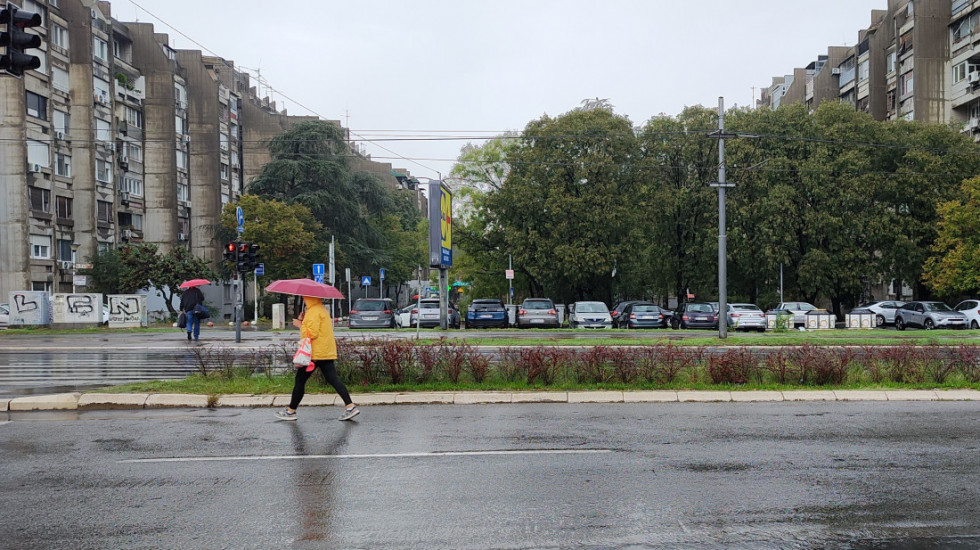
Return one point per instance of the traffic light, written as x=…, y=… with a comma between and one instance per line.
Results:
x=241, y=257
x=230, y=250
x=253, y=256
x=16, y=40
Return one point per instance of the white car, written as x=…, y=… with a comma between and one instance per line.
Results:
x=746, y=317
x=589, y=315
x=403, y=317
x=799, y=311
x=884, y=311
x=970, y=308
x=4, y=315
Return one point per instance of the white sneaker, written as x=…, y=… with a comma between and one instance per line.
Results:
x=350, y=413
x=286, y=415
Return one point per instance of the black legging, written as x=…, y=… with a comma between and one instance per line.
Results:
x=329, y=372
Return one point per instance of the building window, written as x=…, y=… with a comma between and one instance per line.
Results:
x=137, y=222
x=134, y=117
x=907, y=84
x=64, y=207
x=41, y=247
x=101, y=90
x=105, y=211
x=890, y=62
x=863, y=70
x=62, y=166
x=59, y=36
x=223, y=142
x=37, y=106
x=65, y=252
x=182, y=192
x=179, y=125
x=965, y=27
x=60, y=80
x=62, y=121
x=40, y=199
x=224, y=171
x=103, y=171
x=959, y=72
x=103, y=132
x=132, y=186
x=135, y=152
x=38, y=153
x=100, y=49
x=182, y=160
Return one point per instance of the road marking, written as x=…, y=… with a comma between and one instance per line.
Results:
x=379, y=455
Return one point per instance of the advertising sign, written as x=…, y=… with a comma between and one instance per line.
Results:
x=440, y=225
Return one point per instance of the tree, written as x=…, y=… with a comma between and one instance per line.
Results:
x=310, y=166
x=954, y=267
x=563, y=208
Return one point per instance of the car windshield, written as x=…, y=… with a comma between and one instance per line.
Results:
x=537, y=305
x=646, y=309
x=364, y=305
x=591, y=307
x=937, y=306
x=487, y=306
x=701, y=308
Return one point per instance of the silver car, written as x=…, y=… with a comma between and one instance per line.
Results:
x=746, y=317
x=929, y=315
x=589, y=315
x=799, y=311
x=884, y=311
x=372, y=313
x=4, y=315
x=538, y=312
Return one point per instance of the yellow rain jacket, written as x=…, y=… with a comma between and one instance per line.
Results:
x=318, y=327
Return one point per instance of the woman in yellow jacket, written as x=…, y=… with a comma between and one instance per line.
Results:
x=315, y=323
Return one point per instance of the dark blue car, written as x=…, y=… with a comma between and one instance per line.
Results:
x=486, y=313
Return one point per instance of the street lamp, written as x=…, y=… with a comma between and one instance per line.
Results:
x=74, y=263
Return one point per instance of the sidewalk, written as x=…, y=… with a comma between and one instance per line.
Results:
x=105, y=401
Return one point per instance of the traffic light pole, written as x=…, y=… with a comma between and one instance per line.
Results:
x=239, y=289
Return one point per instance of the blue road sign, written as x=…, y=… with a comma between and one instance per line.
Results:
x=260, y=270
x=366, y=280
x=382, y=274
x=318, y=272
x=240, y=216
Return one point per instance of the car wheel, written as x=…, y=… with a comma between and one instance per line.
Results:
x=929, y=325
x=974, y=325
x=880, y=320
x=899, y=323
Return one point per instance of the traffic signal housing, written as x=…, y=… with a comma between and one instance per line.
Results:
x=252, y=259
x=230, y=252
x=241, y=257
x=15, y=40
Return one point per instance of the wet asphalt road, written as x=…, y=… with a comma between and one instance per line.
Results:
x=677, y=475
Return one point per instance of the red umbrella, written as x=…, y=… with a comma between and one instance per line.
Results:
x=304, y=287
x=194, y=282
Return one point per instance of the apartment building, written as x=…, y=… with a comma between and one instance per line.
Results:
x=897, y=69
x=119, y=138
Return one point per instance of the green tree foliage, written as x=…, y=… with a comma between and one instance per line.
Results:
x=138, y=267
x=954, y=268
x=310, y=166
x=843, y=202
x=562, y=211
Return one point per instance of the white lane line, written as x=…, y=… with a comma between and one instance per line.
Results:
x=380, y=455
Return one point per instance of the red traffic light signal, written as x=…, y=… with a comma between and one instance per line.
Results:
x=14, y=60
x=229, y=253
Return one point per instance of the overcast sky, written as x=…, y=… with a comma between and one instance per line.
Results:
x=470, y=69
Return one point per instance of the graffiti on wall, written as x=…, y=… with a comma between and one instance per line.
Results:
x=127, y=310
x=28, y=308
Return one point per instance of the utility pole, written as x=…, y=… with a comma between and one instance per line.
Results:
x=721, y=184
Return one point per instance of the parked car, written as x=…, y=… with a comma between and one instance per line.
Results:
x=970, y=308
x=746, y=317
x=884, y=311
x=4, y=315
x=617, y=310
x=372, y=313
x=643, y=315
x=929, y=315
x=429, y=316
x=403, y=317
x=589, y=315
x=799, y=311
x=486, y=313
x=538, y=312
x=695, y=315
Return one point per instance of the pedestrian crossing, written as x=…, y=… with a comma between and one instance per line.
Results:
x=24, y=372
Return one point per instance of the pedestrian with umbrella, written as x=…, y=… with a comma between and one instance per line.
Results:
x=314, y=323
x=191, y=300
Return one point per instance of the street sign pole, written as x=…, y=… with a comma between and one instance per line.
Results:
x=255, y=296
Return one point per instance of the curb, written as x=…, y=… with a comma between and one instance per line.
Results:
x=108, y=401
